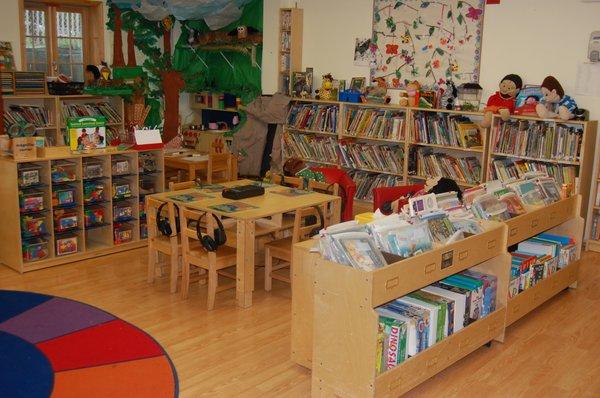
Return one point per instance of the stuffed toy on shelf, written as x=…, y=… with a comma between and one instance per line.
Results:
x=326, y=91
x=378, y=92
x=556, y=103
x=502, y=101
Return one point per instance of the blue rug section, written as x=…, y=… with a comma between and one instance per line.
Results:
x=24, y=370
x=13, y=303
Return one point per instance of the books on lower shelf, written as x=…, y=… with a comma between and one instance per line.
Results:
x=375, y=123
x=91, y=109
x=462, y=169
x=317, y=117
x=310, y=147
x=537, y=139
x=384, y=158
x=366, y=182
x=415, y=322
x=446, y=129
x=39, y=116
x=538, y=258
x=505, y=169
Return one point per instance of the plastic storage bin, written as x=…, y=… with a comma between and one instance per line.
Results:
x=63, y=171
x=64, y=221
x=147, y=186
x=123, y=233
x=93, y=169
x=93, y=217
x=32, y=226
x=63, y=197
x=121, y=190
x=122, y=212
x=146, y=163
x=93, y=192
x=120, y=166
x=28, y=175
x=31, y=201
x=66, y=245
x=35, y=249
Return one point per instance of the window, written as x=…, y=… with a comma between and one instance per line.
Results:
x=56, y=39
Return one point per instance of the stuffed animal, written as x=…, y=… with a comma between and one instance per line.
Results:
x=413, y=90
x=502, y=101
x=555, y=103
x=378, y=92
x=449, y=96
x=325, y=92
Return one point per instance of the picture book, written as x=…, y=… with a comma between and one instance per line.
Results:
x=465, y=293
x=529, y=193
x=513, y=284
x=292, y=192
x=490, y=283
x=409, y=240
x=436, y=329
x=550, y=189
x=394, y=342
x=361, y=250
x=421, y=320
x=87, y=132
x=441, y=228
x=413, y=334
x=190, y=197
x=447, y=308
x=513, y=203
x=476, y=294
x=232, y=207
x=469, y=135
x=442, y=311
x=488, y=207
x=212, y=187
x=456, y=306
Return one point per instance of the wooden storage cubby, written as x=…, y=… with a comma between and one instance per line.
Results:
x=561, y=218
x=334, y=324
x=93, y=241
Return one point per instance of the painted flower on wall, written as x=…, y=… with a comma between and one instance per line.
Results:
x=436, y=63
x=474, y=13
x=391, y=49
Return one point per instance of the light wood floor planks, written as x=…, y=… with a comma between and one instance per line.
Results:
x=232, y=352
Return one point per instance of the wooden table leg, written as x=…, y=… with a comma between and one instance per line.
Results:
x=245, y=263
x=336, y=211
x=192, y=173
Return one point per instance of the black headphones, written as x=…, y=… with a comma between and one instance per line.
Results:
x=315, y=231
x=163, y=225
x=207, y=241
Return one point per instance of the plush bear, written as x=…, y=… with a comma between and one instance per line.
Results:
x=555, y=103
x=503, y=100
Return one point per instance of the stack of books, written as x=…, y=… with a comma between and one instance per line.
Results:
x=7, y=80
x=447, y=130
x=91, y=109
x=375, y=123
x=383, y=158
x=30, y=82
x=506, y=169
x=366, y=182
x=536, y=139
x=310, y=147
x=462, y=169
x=36, y=115
x=313, y=117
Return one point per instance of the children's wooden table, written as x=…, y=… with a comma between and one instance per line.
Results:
x=270, y=206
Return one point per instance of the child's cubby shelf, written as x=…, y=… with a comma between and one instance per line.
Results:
x=439, y=142
x=333, y=308
x=70, y=207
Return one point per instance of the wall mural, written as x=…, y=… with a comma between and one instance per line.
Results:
x=428, y=41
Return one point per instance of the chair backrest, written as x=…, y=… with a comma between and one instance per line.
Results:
x=383, y=195
x=189, y=219
x=152, y=206
x=324, y=187
x=294, y=182
x=219, y=163
x=306, y=221
x=178, y=186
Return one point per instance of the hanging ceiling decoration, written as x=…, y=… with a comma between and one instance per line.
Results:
x=216, y=13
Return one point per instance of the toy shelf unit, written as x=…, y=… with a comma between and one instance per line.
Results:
x=345, y=315
x=560, y=218
x=447, y=144
x=70, y=207
x=39, y=111
x=562, y=149
x=151, y=180
x=290, y=47
x=111, y=107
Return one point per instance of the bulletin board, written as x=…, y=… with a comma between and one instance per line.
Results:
x=428, y=41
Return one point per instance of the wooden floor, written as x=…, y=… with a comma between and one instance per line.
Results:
x=231, y=352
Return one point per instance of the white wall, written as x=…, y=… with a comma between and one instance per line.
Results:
x=9, y=27
x=532, y=38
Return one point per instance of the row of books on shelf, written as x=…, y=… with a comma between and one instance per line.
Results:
x=374, y=157
x=375, y=123
x=36, y=115
x=506, y=169
x=430, y=163
x=310, y=147
x=313, y=117
x=92, y=109
x=6, y=80
x=417, y=321
x=427, y=221
x=595, y=231
x=366, y=182
x=538, y=258
x=538, y=139
x=446, y=129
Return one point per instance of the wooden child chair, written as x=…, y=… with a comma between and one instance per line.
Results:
x=178, y=186
x=326, y=188
x=307, y=222
x=162, y=220
x=202, y=247
x=221, y=167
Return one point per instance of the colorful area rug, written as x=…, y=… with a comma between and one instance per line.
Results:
x=56, y=347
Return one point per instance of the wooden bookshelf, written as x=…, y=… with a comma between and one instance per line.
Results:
x=333, y=309
x=92, y=241
x=561, y=218
x=289, y=56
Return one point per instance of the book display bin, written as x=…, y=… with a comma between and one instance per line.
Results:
x=63, y=205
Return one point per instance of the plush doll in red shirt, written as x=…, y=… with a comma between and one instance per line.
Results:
x=503, y=101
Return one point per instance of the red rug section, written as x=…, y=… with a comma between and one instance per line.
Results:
x=114, y=341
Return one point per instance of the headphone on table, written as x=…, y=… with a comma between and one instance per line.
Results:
x=163, y=224
x=208, y=242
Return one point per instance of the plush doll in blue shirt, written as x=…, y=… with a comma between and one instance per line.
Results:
x=555, y=103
